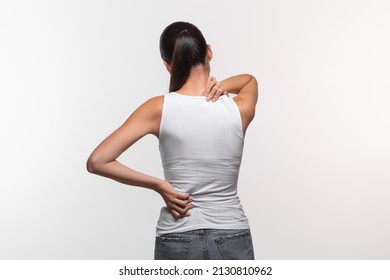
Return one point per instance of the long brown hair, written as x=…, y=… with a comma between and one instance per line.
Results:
x=183, y=46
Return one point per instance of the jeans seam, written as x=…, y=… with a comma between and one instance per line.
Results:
x=232, y=236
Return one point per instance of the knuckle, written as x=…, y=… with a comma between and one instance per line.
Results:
x=176, y=215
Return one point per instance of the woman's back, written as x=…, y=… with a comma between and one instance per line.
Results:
x=201, y=146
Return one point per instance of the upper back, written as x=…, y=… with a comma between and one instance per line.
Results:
x=190, y=125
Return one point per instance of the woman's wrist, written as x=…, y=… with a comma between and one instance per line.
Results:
x=236, y=83
x=158, y=185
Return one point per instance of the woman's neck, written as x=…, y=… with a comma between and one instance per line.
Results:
x=196, y=82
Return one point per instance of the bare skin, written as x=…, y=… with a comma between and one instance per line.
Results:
x=146, y=120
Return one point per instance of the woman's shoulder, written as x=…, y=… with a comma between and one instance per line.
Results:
x=152, y=106
x=149, y=114
x=155, y=101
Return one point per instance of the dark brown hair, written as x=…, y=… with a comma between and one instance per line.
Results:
x=183, y=46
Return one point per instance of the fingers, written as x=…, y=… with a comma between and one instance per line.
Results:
x=213, y=90
x=210, y=84
x=182, y=203
x=217, y=93
x=182, y=196
x=181, y=207
x=179, y=212
x=177, y=203
x=177, y=215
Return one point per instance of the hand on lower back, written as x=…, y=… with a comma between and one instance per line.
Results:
x=177, y=203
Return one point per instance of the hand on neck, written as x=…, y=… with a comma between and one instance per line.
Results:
x=196, y=82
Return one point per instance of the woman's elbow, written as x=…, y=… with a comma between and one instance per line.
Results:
x=92, y=165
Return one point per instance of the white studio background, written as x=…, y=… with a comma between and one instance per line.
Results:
x=315, y=177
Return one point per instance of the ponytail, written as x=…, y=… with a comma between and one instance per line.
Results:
x=182, y=60
x=183, y=46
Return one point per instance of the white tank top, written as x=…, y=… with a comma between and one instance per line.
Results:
x=201, y=146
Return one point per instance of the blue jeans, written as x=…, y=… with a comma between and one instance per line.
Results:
x=205, y=244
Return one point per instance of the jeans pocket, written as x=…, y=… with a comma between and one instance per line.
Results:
x=237, y=246
x=172, y=248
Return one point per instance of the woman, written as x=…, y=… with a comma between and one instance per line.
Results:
x=201, y=135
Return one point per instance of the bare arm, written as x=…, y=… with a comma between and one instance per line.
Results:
x=246, y=87
x=145, y=120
